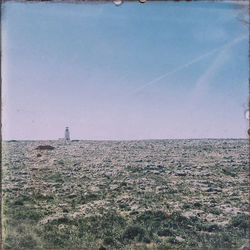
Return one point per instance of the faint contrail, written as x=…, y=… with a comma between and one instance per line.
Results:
x=197, y=59
x=202, y=81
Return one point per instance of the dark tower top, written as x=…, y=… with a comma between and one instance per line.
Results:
x=67, y=137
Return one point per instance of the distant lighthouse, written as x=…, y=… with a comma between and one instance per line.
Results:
x=67, y=137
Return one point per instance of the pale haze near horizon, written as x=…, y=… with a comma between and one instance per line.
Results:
x=158, y=70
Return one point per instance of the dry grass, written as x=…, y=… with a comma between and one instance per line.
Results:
x=138, y=194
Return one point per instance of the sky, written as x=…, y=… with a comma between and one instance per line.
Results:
x=158, y=70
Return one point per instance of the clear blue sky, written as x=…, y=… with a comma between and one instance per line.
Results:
x=138, y=71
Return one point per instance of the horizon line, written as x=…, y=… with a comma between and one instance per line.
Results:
x=151, y=139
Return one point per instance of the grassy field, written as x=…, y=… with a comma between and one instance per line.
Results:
x=136, y=194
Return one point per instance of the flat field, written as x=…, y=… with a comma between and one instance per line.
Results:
x=125, y=194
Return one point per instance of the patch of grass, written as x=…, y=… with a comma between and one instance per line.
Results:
x=197, y=205
x=58, y=186
x=56, y=177
x=228, y=172
x=240, y=221
x=40, y=196
x=88, y=198
x=123, y=184
x=214, y=211
x=21, y=213
x=134, y=231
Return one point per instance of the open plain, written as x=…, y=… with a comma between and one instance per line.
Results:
x=125, y=194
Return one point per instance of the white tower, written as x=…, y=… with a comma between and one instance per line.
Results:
x=67, y=137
